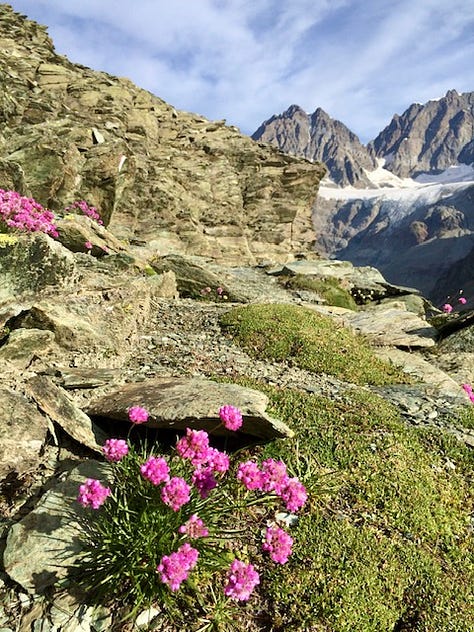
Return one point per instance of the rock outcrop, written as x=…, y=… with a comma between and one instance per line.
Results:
x=173, y=180
x=318, y=137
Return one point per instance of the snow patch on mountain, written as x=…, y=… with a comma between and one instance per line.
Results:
x=398, y=197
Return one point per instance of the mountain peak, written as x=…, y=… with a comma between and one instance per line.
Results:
x=319, y=137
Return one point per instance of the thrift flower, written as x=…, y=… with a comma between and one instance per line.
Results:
x=231, y=417
x=241, y=580
x=294, y=494
x=115, y=449
x=218, y=461
x=447, y=308
x=462, y=300
x=174, y=568
x=278, y=543
x=194, y=446
x=469, y=391
x=194, y=528
x=88, y=245
x=175, y=493
x=220, y=291
x=274, y=476
x=155, y=470
x=249, y=474
x=138, y=415
x=204, y=481
x=92, y=493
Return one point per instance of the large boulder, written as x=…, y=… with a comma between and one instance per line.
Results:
x=178, y=403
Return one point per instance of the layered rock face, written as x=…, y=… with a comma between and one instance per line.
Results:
x=429, y=137
x=173, y=179
x=319, y=137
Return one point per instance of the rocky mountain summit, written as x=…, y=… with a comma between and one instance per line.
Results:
x=430, y=137
x=68, y=132
x=318, y=137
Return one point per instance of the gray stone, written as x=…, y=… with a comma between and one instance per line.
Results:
x=57, y=404
x=41, y=548
x=392, y=325
x=22, y=433
x=177, y=403
x=26, y=344
x=32, y=263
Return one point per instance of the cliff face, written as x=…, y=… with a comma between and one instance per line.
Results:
x=172, y=179
x=319, y=137
x=429, y=137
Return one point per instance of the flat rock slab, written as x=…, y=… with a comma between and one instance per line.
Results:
x=42, y=547
x=414, y=365
x=179, y=403
x=392, y=327
x=56, y=403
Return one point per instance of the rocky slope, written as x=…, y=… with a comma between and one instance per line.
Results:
x=167, y=178
x=84, y=337
x=318, y=137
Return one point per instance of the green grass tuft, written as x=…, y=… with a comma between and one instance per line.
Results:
x=309, y=340
x=329, y=289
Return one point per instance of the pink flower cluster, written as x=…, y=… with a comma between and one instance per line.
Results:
x=273, y=478
x=155, y=470
x=176, y=493
x=241, y=580
x=25, y=214
x=194, y=528
x=115, y=449
x=470, y=393
x=231, y=417
x=82, y=206
x=92, y=493
x=138, y=415
x=447, y=308
x=278, y=543
x=174, y=568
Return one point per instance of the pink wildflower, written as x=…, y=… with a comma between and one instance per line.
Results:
x=22, y=213
x=175, y=493
x=231, y=417
x=462, y=300
x=469, y=391
x=241, y=580
x=138, y=415
x=249, y=474
x=218, y=461
x=447, y=308
x=220, y=291
x=92, y=493
x=155, y=470
x=278, y=543
x=194, y=446
x=88, y=245
x=274, y=476
x=204, y=481
x=115, y=449
x=294, y=494
x=175, y=568
x=194, y=528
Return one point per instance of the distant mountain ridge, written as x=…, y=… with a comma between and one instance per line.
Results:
x=418, y=230
x=426, y=138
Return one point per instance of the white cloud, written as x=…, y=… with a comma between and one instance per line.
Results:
x=244, y=60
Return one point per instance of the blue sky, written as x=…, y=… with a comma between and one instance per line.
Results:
x=244, y=60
